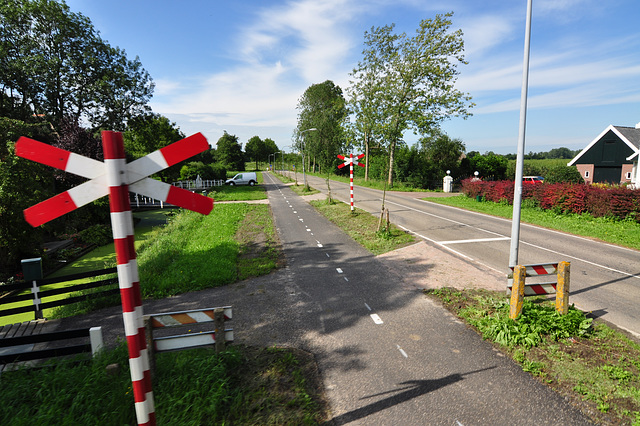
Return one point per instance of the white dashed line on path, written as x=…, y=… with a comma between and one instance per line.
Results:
x=404, y=354
x=376, y=319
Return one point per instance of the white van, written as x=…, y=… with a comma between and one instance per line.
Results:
x=247, y=178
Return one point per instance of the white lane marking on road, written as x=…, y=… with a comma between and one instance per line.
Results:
x=339, y=270
x=435, y=242
x=346, y=279
x=376, y=318
x=447, y=219
x=368, y=307
x=477, y=240
x=327, y=254
x=452, y=250
x=529, y=226
x=588, y=262
x=404, y=354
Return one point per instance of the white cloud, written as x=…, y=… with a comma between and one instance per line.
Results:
x=288, y=48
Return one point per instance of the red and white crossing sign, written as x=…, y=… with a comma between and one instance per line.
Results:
x=349, y=162
x=115, y=177
x=137, y=172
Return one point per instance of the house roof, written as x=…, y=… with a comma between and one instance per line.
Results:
x=629, y=135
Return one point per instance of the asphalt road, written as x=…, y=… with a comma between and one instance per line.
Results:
x=605, y=279
x=387, y=353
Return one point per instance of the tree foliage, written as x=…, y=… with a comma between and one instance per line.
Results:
x=322, y=107
x=256, y=150
x=407, y=82
x=229, y=153
x=53, y=63
x=23, y=183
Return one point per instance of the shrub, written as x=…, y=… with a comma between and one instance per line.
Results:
x=98, y=235
x=569, y=198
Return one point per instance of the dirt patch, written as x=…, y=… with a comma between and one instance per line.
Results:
x=260, y=247
x=425, y=266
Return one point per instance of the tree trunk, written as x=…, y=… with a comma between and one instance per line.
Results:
x=392, y=149
x=366, y=157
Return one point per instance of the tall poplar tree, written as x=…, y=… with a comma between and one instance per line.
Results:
x=405, y=82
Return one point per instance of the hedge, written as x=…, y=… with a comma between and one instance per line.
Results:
x=597, y=200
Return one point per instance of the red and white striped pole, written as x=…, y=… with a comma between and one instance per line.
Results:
x=351, y=179
x=123, y=237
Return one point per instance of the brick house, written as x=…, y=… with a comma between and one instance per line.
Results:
x=612, y=157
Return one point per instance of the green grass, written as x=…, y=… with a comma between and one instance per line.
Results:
x=239, y=192
x=622, y=232
x=371, y=183
x=192, y=252
x=242, y=386
x=595, y=367
x=362, y=227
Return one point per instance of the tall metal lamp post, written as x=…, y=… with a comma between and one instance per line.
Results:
x=304, y=174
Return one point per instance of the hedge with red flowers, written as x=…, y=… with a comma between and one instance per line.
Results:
x=597, y=200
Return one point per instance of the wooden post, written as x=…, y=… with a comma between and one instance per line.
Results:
x=218, y=318
x=517, y=291
x=562, y=290
x=388, y=221
x=148, y=326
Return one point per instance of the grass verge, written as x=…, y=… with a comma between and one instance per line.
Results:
x=592, y=365
x=193, y=252
x=242, y=386
x=621, y=232
x=362, y=227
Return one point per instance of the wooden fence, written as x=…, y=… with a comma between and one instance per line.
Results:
x=34, y=292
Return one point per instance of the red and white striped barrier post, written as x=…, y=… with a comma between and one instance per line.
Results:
x=115, y=177
x=122, y=225
x=349, y=162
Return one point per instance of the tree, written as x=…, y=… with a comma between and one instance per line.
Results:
x=367, y=115
x=255, y=149
x=442, y=152
x=322, y=106
x=408, y=82
x=23, y=183
x=269, y=147
x=490, y=165
x=229, y=153
x=54, y=64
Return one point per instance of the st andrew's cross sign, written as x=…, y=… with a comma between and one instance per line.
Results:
x=115, y=178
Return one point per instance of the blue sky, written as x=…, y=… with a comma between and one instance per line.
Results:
x=241, y=66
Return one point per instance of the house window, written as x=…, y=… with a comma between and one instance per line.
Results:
x=586, y=174
x=628, y=176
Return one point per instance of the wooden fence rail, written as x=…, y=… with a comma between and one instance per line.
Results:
x=33, y=291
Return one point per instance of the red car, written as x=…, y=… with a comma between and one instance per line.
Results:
x=532, y=179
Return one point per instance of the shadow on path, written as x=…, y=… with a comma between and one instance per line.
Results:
x=412, y=389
